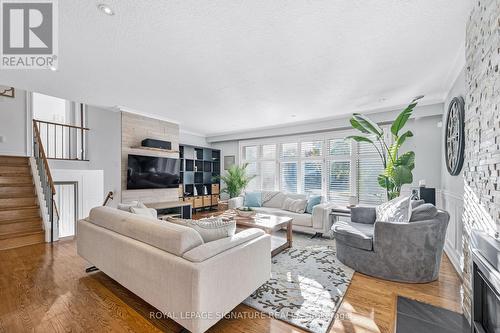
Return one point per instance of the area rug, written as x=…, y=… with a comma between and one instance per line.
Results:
x=307, y=285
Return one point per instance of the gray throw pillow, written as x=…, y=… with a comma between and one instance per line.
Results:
x=397, y=210
x=416, y=203
x=423, y=212
x=294, y=205
x=210, y=229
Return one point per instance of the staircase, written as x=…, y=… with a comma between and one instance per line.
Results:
x=20, y=221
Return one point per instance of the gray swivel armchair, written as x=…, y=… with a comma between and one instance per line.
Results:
x=403, y=252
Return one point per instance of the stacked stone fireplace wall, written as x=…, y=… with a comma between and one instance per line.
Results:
x=482, y=129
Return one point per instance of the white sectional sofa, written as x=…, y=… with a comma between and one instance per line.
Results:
x=318, y=223
x=169, y=266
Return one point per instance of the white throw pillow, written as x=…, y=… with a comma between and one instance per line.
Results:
x=144, y=211
x=397, y=210
x=127, y=206
x=210, y=229
x=295, y=205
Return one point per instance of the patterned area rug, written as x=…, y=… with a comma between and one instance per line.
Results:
x=307, y=285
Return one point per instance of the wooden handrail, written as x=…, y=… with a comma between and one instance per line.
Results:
x=59, y=124
x=43, y=156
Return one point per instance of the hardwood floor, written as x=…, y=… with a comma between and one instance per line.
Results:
x=44, y=288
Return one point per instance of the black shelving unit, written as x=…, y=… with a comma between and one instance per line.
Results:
x=199, y=168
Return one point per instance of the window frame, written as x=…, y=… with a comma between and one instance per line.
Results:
x=325, y=158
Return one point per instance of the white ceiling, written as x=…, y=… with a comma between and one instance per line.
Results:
x=227, y=65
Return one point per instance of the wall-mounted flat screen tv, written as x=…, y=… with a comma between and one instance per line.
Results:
x=147, y=172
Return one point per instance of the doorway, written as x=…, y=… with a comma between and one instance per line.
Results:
x=67, y=203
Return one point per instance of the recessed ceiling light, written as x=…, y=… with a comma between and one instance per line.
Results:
x=106, y=9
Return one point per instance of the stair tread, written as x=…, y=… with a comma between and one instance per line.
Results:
x=20, y=233
x=18, y=208
x=18, y=196
x=17, y=185
x=25, y=220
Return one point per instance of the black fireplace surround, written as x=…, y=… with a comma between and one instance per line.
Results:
x=485, y=283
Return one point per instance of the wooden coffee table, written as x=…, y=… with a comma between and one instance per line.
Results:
x=270, y=224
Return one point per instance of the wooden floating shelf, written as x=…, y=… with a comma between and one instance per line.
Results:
x=156, y=149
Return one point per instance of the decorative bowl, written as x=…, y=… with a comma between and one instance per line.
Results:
x=245, y=212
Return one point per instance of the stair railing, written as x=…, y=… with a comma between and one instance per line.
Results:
x=63, y=141
x=47, y=183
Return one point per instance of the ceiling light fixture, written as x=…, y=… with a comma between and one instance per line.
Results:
x=106, y=9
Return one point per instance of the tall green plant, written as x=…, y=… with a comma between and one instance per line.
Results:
x=397, y=168
x=235, y=180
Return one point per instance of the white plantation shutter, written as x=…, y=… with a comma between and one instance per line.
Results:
x=289, y=150
x=268, y=152
x=268, y=175
x=312, y=174
x=288, y=171
x=250, y=153
x=311, y=149
x=339, y=171
x=339, y=181
x=254, y=184
x=320, y=164
x=369, y=167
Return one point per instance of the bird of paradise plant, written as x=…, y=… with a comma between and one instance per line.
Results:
x=397, y=168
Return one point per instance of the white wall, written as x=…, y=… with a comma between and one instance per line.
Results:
x=191, y=139
x=103, y=148
x=427, y=144
x=227, y=148
x=324, y=125
x=452, y=189
x=13, y=124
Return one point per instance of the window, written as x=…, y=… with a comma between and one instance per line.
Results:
x=312, y=149
x=269, y=152
x=289, y=150
x=339, y=170
x=288, y=171
x=261, y=164
x=369, y=167
x=324, y=164
x=250, y=153
x=312, y=175
x=268, y=175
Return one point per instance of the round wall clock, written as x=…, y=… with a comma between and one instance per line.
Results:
x=455, y=136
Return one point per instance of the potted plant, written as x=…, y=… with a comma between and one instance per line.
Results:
x=397, y=168
x=236, y=180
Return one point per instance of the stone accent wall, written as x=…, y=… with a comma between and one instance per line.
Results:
x=136, y=128
x=482, y=129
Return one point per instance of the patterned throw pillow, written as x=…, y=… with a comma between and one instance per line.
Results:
x=144, y=211
x=397, y=210
x=295, y=205
x=210, y=229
